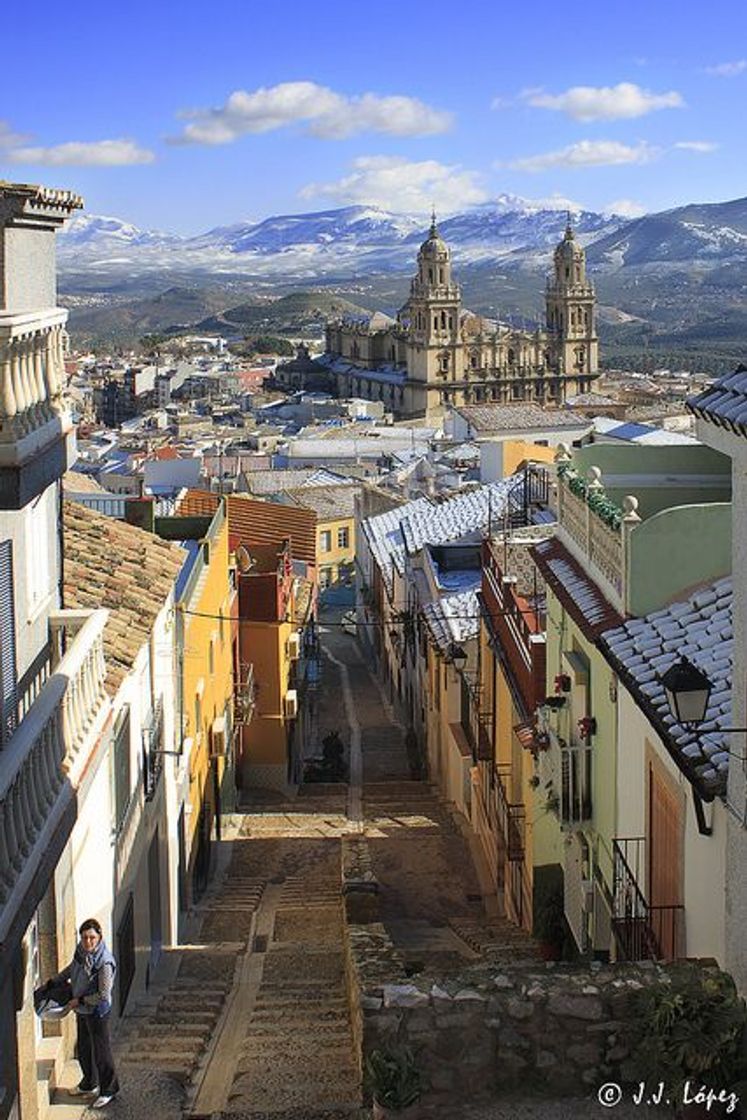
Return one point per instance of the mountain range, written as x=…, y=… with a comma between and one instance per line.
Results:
x=664, y=279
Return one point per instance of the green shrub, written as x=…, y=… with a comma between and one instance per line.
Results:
x=392, y=1077
x=692, y=1028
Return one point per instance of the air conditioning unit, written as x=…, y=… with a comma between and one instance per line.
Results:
x=294, y=647
x=218, y=741
x=290, y=704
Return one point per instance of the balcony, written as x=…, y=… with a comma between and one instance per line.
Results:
x=153, y=752
x=245, y=694
x=641, y=931
x=516, y=629
x=44, y=762
x=511, y=821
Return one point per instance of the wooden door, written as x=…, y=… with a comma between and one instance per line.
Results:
x=665, y=854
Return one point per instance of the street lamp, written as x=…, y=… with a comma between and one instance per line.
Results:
x=688, y=691
x=458, y=657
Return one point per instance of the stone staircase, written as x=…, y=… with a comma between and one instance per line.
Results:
x=297, y=1061
x=498, y=940
x=169, y=1030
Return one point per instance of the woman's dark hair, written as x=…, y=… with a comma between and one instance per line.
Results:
x=91, y=923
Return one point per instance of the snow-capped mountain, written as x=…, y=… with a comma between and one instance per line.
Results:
x=350, y=240
x=354, y=226
x=365, y=240
x=99, y=232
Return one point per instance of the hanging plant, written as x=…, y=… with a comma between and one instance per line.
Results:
x=562, y=682
x=586, y=728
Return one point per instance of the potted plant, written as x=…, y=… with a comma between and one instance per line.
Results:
x=689, y=1035
x=549, y=922
x=562, y=682
x=393, y=1080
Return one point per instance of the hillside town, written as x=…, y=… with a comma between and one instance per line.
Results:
x=383, y=706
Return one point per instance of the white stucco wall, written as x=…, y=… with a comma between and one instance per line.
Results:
x=735, y=446
x=36, y=571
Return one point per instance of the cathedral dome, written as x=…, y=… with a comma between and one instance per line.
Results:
x=569, y=249
x=434, y=247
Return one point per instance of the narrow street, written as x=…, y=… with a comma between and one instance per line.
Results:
x=251, y=1019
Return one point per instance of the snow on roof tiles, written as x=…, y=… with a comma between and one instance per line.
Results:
x=453, y=618
x=724, y=402
x=415, y=524
x=699, y=629
x=578, y=593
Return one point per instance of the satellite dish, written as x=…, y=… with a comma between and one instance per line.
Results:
x=243, y=559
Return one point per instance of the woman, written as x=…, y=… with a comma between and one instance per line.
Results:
x=91, y=975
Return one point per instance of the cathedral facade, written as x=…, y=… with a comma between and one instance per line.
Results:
x=436, y=354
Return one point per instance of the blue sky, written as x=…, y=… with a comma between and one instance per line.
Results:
x=188, y=116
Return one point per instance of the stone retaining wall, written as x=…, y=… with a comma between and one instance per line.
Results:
x=558, y=1029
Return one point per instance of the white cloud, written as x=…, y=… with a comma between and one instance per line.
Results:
x=588, y=153
x=697, y=145
x=9, y=138
x=727, y=69
x=96, y=153
x=322, y=111
x=395, y=183
x=604, y=103
x=625, y=208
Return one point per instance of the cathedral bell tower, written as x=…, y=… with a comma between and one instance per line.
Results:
x=570, y=301
x=433, y=312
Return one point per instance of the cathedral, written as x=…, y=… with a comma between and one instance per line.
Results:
x=436, y=353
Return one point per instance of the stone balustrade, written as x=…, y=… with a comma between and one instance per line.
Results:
x=31, y=372
x=602, y=543
x=42, y=764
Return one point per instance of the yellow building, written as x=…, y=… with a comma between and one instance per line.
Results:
x=512, y=685
x=275, y=553
x=205, y=605
x=334, y=507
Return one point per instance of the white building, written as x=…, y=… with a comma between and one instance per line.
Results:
x=721, y=413
x=52, y=698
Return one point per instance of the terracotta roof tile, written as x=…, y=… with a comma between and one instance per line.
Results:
x=255, y=522
x=120, y=567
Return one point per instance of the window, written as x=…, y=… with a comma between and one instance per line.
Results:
x=121, y=767
x=325, y=540
x=198, y=713
x=343, y=537
x=325, y=578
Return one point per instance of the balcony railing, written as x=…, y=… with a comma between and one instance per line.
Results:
x=31, y=372
x=642, y=931
x=152, y=751
x=245, y=694
x=511, y=820
x=44, y=760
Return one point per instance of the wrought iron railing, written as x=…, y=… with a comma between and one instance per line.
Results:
x=642, y=931
x=153, y=751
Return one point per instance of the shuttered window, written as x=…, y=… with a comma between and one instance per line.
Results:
x=121, y=768
x=8, y=679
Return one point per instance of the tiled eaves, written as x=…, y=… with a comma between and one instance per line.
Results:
x=724, y=403
x=580, y=596
x=700, y=629
x=127, y=570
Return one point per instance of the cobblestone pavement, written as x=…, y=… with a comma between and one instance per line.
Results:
x=252, y=1023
